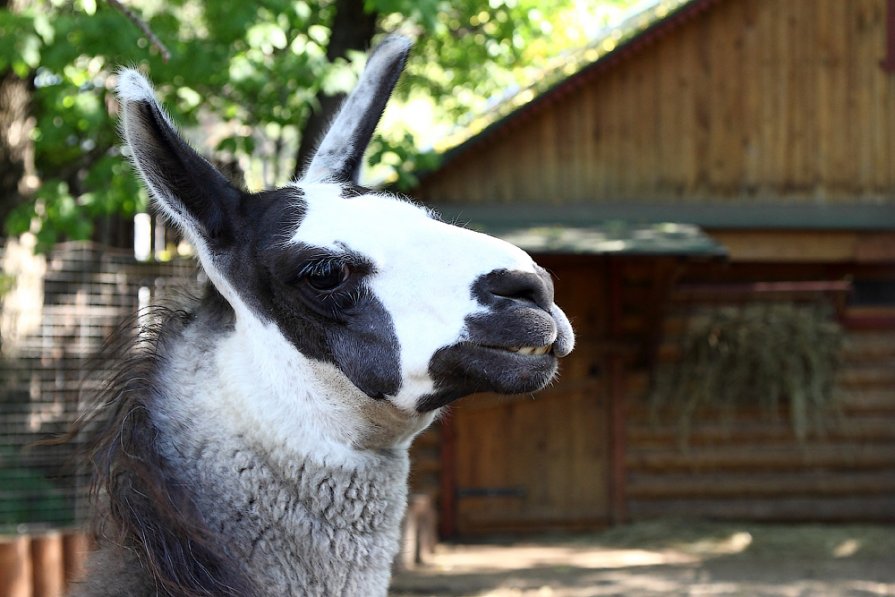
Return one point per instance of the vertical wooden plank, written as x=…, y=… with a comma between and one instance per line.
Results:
x=649, y=140
x=591, y=165
x=863, y=92
x=629, y=168
x=447, y=507
x=47, y=564
x=824, y=65
x=75, y=547
x=723, y=104
x=571, y=140
x=522, y=152
x=702, y=106
x=638, y=162
x=683, y=154
x=839, y=77
x=778, y=83
x=795, y=151
x=881, y=103
x=604, y=137
x=887, y=63
x=547, y=185
x=620, y=139
x=607, y=142
x=750, y=91
x=667, y=132
x=15, y=566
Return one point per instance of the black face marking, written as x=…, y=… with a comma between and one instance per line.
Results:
x=345, y=325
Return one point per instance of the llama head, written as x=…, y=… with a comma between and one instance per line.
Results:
x=374, y=296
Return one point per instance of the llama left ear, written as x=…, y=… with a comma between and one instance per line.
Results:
x=342, y=150
x=191, y=191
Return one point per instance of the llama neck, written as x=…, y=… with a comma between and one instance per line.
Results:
x=299, y=527
x=301, y=508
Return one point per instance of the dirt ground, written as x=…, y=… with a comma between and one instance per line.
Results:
x=666, y=558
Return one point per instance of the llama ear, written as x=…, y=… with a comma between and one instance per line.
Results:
x=189, y=189
x=342, y=149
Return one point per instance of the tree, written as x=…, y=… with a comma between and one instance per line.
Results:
x=255, y=81
x=16, y=149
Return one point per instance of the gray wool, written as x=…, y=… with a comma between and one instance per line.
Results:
x=291, y=523
x=298, y=527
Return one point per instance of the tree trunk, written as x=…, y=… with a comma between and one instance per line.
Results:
x=17, y=174
x=352, y=29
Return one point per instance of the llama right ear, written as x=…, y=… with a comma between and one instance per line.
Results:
x=190, y=190
x=342, y=150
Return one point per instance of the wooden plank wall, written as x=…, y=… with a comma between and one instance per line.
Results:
x=749, y=467
x=752, y=100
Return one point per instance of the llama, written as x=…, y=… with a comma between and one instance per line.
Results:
x=258, y=444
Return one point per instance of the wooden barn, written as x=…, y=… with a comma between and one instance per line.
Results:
x=731, y=156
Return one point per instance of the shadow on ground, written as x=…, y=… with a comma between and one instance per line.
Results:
x=666, y=558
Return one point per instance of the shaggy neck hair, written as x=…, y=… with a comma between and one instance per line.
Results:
x=143, y=506
x=202, y=512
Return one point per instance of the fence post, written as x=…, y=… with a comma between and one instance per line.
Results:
x=47, y=564
x=76, y=545
x=15, y=566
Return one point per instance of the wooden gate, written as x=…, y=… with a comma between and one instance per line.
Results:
x=540, y=462
x=532, y=463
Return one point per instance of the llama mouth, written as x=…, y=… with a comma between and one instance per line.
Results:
x=526, y=350
x=468, y=368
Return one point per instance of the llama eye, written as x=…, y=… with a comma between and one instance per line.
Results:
x=327, y=275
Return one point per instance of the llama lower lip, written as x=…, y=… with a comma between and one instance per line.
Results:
x=469, y=368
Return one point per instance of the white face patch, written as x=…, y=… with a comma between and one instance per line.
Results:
x=423, y=270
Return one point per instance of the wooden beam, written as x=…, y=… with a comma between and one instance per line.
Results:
x=616, y=370
x=888, y=61
x=801, y=246
x=447, y=506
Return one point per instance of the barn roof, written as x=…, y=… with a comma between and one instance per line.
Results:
x=635, y=38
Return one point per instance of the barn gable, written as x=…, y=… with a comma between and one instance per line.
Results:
x=722, y=104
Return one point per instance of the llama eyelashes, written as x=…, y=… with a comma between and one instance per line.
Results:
x=325, y=275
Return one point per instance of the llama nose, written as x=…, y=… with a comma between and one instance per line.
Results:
x=530, y=289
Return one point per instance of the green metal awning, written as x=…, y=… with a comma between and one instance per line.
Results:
x=585, y=236
x=614, y=237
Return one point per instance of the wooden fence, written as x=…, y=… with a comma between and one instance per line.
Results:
x=41, y=564
x=56, y=314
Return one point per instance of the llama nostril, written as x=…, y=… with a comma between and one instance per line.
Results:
x=522, y=287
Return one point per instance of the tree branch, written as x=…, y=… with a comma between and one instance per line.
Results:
x=142, y=26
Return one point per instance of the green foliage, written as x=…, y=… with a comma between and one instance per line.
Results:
x=7, y=283
x=254, y=69
x=770, y=356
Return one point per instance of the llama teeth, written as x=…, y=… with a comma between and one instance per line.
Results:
x=532, y=350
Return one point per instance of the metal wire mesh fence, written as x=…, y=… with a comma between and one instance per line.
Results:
x=56, y=313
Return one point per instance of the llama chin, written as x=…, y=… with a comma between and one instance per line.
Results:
x=259, y=444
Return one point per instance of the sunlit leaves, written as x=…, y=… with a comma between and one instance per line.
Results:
x=248, y=73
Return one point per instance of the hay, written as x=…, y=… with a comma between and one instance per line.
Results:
x=778, y=356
